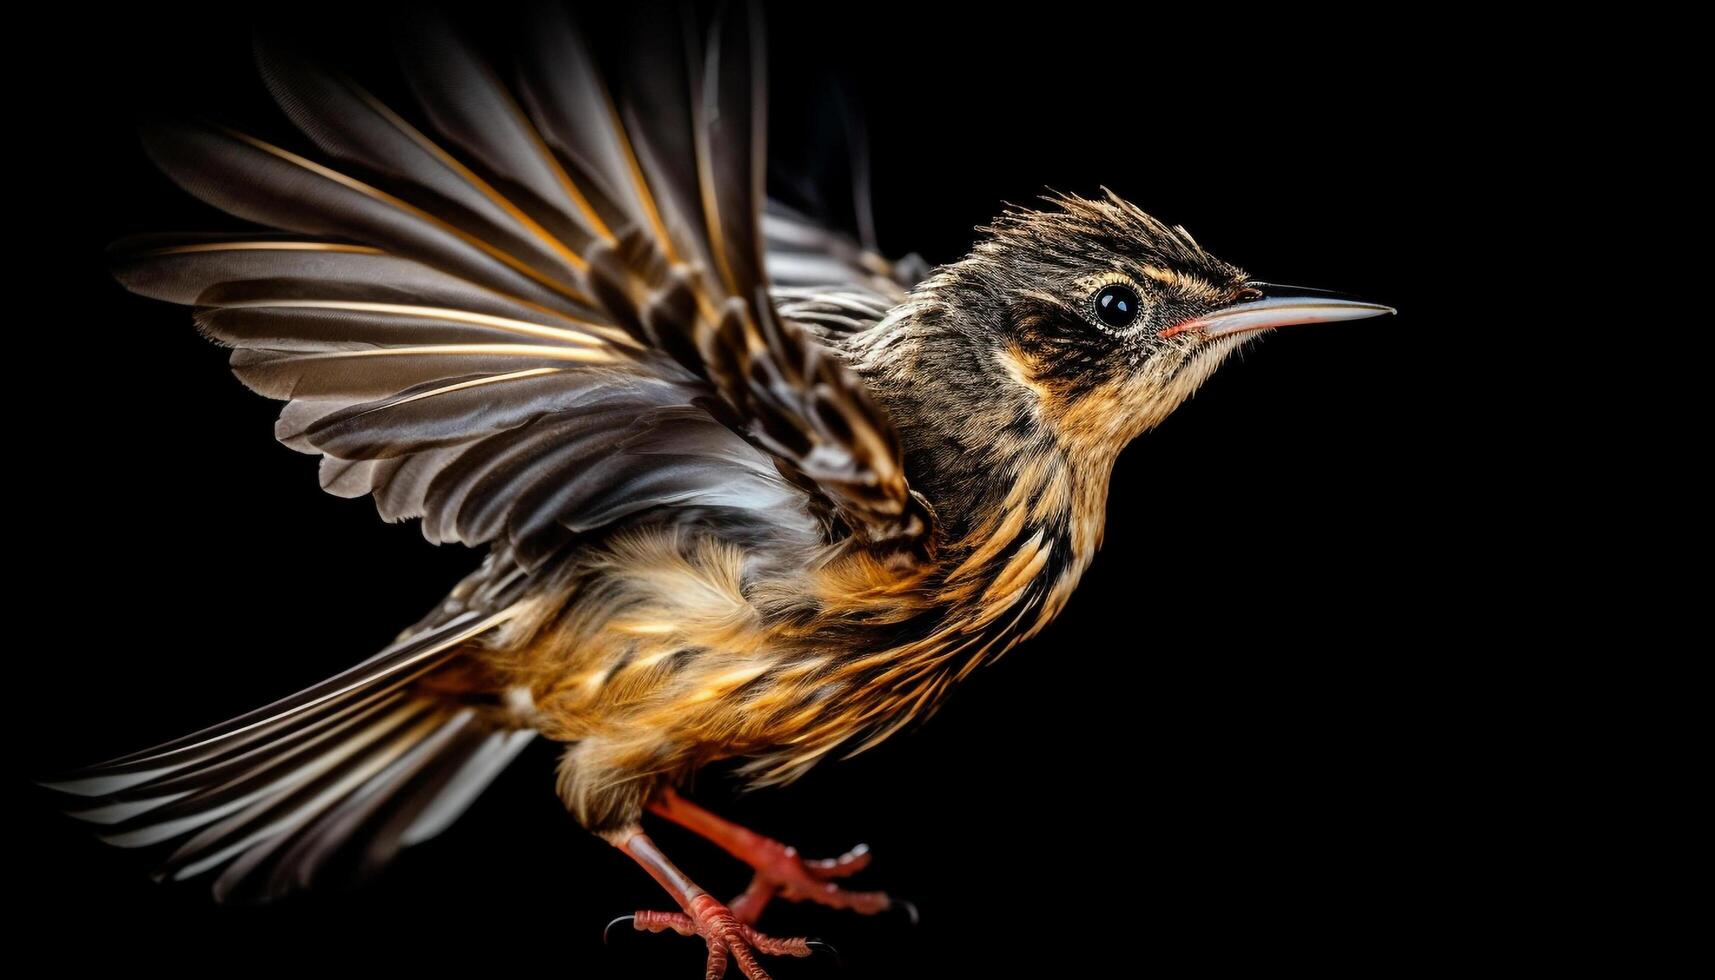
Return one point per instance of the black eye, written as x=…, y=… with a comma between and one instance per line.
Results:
x=1116, y=305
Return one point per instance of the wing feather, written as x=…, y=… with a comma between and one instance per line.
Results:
x=467, y=102
x=352, y=126
x=546, y=311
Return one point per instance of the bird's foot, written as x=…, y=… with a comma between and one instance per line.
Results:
x=726, y=936
x=781, y=872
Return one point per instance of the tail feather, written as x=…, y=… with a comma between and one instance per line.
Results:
x=369, y=826
x=227, y=778
x=445, y=800
x=392, y=667
x=260, y=779
x=325, y=780
x=328, y=783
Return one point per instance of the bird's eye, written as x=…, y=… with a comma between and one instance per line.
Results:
x=1116, y=305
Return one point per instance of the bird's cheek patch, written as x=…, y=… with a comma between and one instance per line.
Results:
x=1023, y=368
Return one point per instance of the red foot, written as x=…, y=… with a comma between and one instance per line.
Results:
x=779, y=869
x=781, y=872
x=725, y=935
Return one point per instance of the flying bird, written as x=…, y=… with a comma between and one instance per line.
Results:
x=747, y=490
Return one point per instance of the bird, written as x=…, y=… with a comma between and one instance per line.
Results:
x=745, y=490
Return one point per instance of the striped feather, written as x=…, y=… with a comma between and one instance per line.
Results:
x=439, y=294
x=328, y=783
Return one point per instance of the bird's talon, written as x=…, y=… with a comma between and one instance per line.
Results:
x=727, y=938
x=609, y=927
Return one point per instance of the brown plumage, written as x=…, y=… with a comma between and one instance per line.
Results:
x=749, y=491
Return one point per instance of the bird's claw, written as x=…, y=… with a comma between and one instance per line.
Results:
x=725, y=935
x=609, y=927
x=823, y=946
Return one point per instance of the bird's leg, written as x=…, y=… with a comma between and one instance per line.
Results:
x=779, y=869
x=701, y=914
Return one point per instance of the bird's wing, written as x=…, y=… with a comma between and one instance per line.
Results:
x=827, y=282
x=532, y=311
x=820, y=230
x=807, y=256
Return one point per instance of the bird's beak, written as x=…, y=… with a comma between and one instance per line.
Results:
x=1278, y=306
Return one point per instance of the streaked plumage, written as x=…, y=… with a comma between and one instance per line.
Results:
x=747, y=489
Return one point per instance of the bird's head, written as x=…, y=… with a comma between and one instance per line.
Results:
x=1092, y=320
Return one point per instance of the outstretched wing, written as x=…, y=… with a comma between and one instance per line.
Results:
x=807, y=255
x=827, y=282
x=528, y=312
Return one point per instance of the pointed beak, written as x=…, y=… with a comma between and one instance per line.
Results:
x=1273, y=306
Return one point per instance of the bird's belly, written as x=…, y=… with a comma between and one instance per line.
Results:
x=665, y=652
x=666, y=641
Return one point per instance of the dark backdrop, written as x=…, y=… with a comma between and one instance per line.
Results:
x=1256, y=738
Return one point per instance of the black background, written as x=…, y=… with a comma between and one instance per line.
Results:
x=1259, y=736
